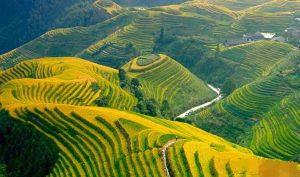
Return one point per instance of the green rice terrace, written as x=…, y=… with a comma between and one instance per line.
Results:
x=166, y=80
x=262, y=114
x=136, y=31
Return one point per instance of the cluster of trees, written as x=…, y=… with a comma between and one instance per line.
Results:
x=148, y=106
x=186, y=50
x=24, y=151
x=198, y=58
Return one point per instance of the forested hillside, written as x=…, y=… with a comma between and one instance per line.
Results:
x=22, y=21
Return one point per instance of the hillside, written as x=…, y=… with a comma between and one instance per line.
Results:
x=164, y=79
x=140, y=3
x=262, y=114
x=192, y=32
x=127, y=35
x=122, y=88
x=243, y=63
x=106, y=142
x=63, y=81
x=75, y=81
x=21, y=21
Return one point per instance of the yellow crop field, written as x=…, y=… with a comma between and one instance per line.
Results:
x=63, y=81
x=108, y=142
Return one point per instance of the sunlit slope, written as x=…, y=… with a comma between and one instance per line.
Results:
x=237, y=5
x=107, y=142
x=162, y=78
x=277, y=135
x=63, y=81
x=265, y=111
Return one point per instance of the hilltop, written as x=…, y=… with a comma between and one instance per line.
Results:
x=63, y=81
x=168, y=82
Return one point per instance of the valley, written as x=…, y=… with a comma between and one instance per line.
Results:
x=202, y=106
x=203, y=88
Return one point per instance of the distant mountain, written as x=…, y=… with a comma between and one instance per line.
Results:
x=22, y=21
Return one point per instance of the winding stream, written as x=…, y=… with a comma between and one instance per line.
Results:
x=204, y=105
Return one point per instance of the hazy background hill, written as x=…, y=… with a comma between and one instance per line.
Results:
x=22, y=21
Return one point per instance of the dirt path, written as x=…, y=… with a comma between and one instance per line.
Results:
x=164, y=156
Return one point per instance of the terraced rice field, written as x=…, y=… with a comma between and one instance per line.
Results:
x=63, y=81
x=268, y=109
x=110, y=38
x=268, y=22
x=277, y=134
x=106, y=142
x=165, y=79
x=254, y=59
x=141, y=32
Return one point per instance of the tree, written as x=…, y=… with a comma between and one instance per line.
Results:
x=165, y=109
x=229, y=86
x=151, y=106
x=122, y=74
x=141, y=107
x=135, y=82
x=138, y=94
x=129, y=46
x=162, y=34
x=217, y=54
x=102, y=101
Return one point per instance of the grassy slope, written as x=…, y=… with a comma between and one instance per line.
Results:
x=268, y=105
x=107, y=142
x=166, y=79
x=63, y=81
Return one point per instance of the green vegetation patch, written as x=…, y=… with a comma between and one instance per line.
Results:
x=24, y=151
